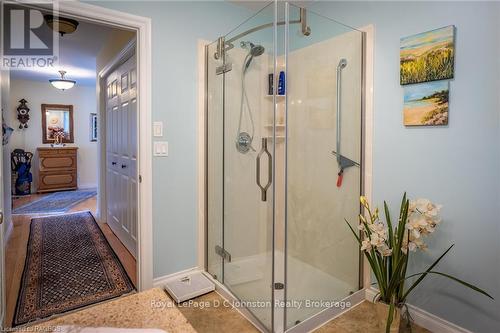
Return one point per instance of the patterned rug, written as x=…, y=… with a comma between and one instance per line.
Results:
x=69, y=264
x=59, y=202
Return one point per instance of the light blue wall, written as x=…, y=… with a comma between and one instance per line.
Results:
x=176, y=28
x=457, y=165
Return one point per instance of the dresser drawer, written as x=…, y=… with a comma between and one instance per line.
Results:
x=50, y=180
x=57, y=169
x=66, y=162
x=48, y=152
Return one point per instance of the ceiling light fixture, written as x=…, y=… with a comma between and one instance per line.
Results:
x=62, y=83
x=62, y=25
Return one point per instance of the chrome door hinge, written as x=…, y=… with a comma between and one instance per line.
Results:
x=221, y=48
x=223, y=253
x=224, y=68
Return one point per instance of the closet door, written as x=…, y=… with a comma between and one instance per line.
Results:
x=121, y=153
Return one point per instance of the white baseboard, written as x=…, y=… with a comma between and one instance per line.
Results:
x=423, y=318
x=160, y=281
x=370, y=294
x=87, y=187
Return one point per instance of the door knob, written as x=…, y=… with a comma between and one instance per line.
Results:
x=123, y=166
x=1, y=217
x=113, y=163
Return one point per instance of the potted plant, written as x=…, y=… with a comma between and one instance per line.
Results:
x=388, y=248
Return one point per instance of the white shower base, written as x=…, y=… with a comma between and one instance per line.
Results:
x=249, y=278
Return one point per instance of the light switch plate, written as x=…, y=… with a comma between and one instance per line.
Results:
x=157, y=128
x=160, y=148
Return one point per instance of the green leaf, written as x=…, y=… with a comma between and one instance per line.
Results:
x=354, y=233
x=381, y=269
x=423, y=275
x=394, y=257
x=396, y=279
x=390, y=318
x=401, y=285
x=401, y=226
x=373, y=264
x=403, y=203
x=469, y=285
x=389, y=224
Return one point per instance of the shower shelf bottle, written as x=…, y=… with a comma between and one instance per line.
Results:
x=281, y=83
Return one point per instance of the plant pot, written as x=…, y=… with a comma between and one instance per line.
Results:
x=382, y=310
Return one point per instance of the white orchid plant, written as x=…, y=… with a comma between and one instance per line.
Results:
x=388, y=248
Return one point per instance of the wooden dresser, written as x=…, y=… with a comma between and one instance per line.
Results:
x=57, y=169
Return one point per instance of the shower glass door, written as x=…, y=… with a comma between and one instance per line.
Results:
x=284, y=120
x=241, y=163
x=323, y=163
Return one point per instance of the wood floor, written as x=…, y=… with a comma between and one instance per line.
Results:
x=15, y=254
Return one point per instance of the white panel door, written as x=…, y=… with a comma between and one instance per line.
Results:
x=121, y=153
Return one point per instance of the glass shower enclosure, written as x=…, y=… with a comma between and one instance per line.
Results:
x=284, y=114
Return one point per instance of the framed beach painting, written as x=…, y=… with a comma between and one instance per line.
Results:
x=426, y=104
x=428, y=56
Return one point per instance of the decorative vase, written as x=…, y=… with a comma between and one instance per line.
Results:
x=382, y=310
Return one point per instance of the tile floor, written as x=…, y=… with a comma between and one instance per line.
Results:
x=204, y=320
x=227, y=320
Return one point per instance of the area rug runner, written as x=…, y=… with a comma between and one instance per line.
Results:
x=59, y=202
x=69, y=264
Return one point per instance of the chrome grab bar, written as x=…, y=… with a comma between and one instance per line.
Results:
x=342, y=64
x=263, y=150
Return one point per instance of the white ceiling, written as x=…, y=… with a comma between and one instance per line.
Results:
x=77, y=56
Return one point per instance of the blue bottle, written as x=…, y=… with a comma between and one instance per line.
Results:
x=281, y=83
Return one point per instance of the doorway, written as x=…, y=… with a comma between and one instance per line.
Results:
x=142, y=159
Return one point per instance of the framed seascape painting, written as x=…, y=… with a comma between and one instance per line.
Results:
x=426, y=104
x=428, y=56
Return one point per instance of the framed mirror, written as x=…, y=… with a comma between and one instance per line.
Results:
x=57, y=120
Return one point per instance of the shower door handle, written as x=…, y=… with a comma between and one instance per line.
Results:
x=263, y=150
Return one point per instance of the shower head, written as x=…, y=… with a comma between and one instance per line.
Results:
x=257, y=50
x=253, y=51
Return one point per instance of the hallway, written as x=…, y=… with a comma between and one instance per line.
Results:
x=15, y=254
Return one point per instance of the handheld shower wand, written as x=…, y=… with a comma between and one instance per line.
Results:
x=243, y=139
